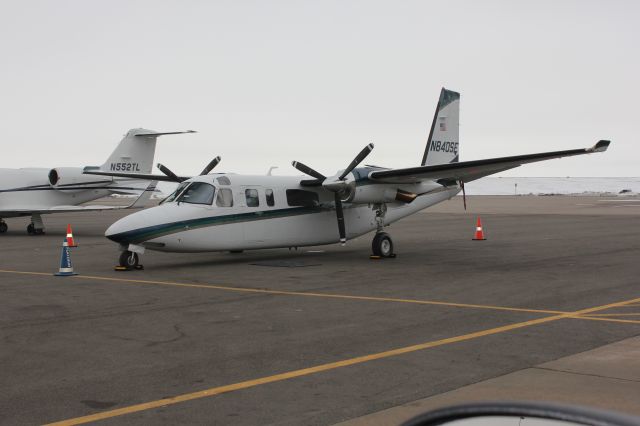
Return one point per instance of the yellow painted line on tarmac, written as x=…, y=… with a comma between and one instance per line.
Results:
x=297, y=293
x=627, y=314
x=335, y=296
x=607, y=319
x=327, y=367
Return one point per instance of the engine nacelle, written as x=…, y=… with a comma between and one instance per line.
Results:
x=71, y=179
x=388, y=193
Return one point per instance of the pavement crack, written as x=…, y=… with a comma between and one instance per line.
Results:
x=585, y=374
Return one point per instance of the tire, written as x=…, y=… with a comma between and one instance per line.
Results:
x=382, y=245
x=128, y=259
x=31, y=229
x=3, y=227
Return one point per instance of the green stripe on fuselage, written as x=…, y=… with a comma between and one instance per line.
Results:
x=141, y=235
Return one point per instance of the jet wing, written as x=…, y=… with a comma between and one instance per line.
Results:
x=142, y=176
x=472, y=170
x=139, y=202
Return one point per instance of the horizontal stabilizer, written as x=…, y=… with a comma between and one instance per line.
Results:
x=165, y=133
x=472, y=170
x=143, y=176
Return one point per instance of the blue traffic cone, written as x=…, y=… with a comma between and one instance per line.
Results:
x=66, y=268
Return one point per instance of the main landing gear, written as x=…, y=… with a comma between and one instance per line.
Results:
x=3, y=227
x=36, y=227
x=382, y=245
x=32, y=230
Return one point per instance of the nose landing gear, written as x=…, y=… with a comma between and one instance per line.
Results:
x=128, y=261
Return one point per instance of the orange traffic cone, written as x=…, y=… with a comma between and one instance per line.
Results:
x=70, y=241
x=479, y=232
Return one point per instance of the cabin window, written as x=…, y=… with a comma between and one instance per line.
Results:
x=300, y=197
x=198, y=193
x=252, y=197
x=271, y=201
x=223, y=180
x=175, y=193
x=225, y=198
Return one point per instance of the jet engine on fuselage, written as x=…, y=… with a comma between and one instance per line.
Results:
x=72, y=179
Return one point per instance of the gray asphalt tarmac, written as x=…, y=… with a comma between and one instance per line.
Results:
x=316, y=336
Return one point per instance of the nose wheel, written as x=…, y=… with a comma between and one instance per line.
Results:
x=3, y=227
x=128, y=260
x=382, y=245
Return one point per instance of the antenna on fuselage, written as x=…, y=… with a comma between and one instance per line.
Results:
x=272, y=168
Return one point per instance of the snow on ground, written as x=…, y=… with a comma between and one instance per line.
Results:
x=553, y=185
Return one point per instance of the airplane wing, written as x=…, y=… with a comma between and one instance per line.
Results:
x=142, y=176
x=139, y=202
x=468, y=171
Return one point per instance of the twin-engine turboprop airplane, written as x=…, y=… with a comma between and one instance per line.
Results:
x=229, y=212
x=37, y=191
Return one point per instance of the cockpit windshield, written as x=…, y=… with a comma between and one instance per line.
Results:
x=175, y=193
x=197, y=193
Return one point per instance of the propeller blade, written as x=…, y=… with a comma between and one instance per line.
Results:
x=308, y=170
x=210, y=166
x=169, y=173
x=340, y=216
x=361, y=156
x=464, y=195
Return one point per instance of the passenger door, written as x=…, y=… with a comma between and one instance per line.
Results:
x=255, y=225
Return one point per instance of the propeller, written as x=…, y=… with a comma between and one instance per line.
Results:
x=336, y=184
x=210, y=166
x=164, y=169
x=169, y=173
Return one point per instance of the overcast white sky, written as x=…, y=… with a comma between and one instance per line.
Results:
x=267, y=82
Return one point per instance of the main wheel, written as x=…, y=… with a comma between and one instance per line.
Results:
x=3, y=227
x=128, y=259
x=382, y=245
x=31, y=229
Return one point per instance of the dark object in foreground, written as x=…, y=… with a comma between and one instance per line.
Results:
x=485, y=413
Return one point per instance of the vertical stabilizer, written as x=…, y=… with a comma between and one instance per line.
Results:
x=135, y=151
x=443, y=145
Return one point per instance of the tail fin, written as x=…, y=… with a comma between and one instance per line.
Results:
x=443, y=146
x=135, y=152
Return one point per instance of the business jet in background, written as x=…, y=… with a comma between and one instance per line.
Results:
x=230, y=212
x=38, y=191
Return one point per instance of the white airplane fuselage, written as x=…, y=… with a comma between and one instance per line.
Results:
x=30, y=188
x=186, y=227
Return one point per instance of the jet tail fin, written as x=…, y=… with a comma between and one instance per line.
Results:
x=443, y=145
x=135, y=151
